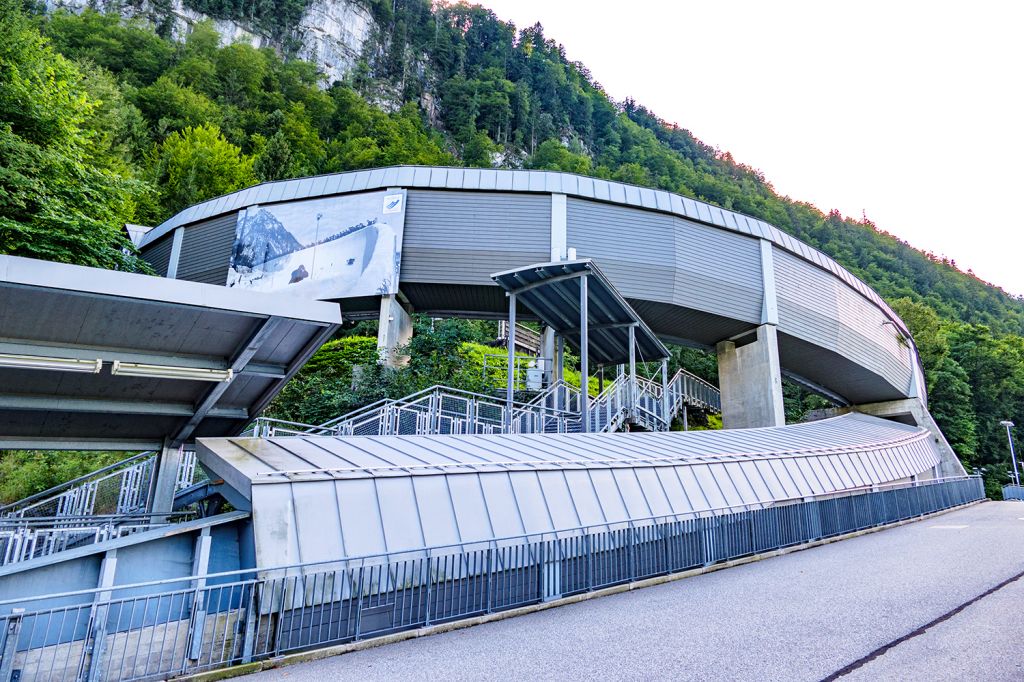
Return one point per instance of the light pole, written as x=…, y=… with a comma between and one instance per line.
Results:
x=1013, y=456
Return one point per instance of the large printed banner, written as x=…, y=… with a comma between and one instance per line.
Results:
x=338, y=247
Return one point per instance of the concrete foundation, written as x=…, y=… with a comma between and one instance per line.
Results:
x=393, y=332
x=913, y=411
x=750, y=379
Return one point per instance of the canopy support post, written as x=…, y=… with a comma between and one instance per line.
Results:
x=632, y=371
x=665, y=402
x=510, y=388
x=584, y=364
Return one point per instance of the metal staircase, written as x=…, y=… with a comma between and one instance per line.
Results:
x=102, y=505
x=443, y=410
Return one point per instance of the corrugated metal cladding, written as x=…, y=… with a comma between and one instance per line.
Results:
x=159, y=255
x=464, y=237
x=660, y=257
x=817, y=307
x=326, y=498
x=489, y=180
x=206, y=250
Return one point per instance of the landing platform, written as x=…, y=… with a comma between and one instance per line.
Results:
x=802, y=616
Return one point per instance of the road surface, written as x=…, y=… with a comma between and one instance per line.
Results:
x=931, y=600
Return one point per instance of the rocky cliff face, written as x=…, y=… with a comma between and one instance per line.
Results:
x=331, y=33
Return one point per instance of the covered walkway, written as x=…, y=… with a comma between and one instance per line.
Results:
x=802, y=616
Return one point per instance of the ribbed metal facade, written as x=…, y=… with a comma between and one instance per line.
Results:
x=158, y=254
x=464, y=237
x=693, y=271
x=204, y=246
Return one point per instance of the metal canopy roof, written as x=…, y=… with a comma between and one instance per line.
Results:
x=552, y=292
x=322, y=498
x=74, y=320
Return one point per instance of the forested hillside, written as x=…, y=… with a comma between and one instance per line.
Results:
x=104, y=122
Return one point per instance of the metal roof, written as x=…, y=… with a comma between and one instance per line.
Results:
x=552, y=292
x=324, y=498
x=65, y=313
x=518, y=181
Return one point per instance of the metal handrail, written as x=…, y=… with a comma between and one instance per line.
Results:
x=61, y=487
x=597, y=527
x=607, y=411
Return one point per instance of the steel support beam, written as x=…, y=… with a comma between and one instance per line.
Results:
x=241, y=359
x=314, y=344
x=117, y=445
x=165, y=477
x=96, y=405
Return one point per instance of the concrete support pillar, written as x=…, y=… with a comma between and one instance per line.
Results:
x=166, y=476
x=750, y=379
x=393, y=331
x=632, y=369
x=547, y=353
x=913, y=411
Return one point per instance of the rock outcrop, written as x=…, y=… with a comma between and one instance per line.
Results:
x=331, y=33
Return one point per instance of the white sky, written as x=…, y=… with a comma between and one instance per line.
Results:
x=910, y=111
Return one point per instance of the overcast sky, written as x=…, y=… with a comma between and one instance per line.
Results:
x=910, y=112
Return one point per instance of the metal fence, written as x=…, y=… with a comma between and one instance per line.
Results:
x=202, y=623
x=1013, y=492
x=25, y=538
x=124, y=487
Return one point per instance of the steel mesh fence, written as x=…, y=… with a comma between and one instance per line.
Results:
x=195, y=625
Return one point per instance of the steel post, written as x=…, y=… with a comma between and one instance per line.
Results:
x=584, y=359
x=1013, y=456
x=632, y=371
x=511, y=361
x=665, y=407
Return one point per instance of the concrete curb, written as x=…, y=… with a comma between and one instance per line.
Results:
x=361, y=645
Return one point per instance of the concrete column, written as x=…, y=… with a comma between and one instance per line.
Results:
x=750, y=379
x=913, y=411
x=394, y=331
x=547, y=353
x=166, y=476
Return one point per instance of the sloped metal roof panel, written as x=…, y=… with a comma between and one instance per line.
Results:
x=325, y=498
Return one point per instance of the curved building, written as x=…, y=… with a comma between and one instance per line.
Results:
x=697, y=274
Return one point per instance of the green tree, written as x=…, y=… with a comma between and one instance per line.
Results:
x=63, y=197
x=197, y=164
x=553, y=155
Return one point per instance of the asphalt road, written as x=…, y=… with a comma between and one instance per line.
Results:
x=858, y=605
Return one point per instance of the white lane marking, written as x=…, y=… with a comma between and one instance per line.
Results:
x=951, y=527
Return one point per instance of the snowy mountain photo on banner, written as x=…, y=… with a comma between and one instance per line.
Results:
x=338, y=247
